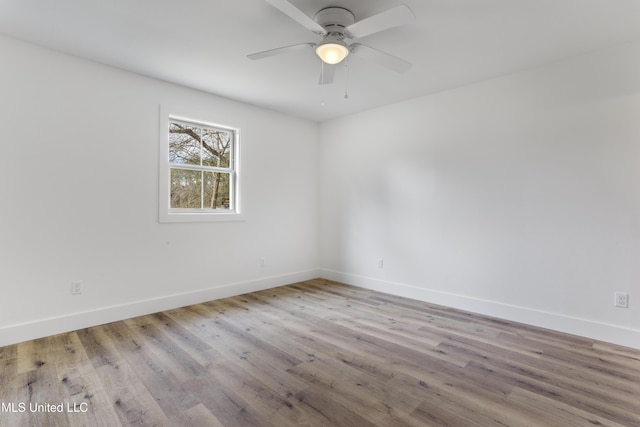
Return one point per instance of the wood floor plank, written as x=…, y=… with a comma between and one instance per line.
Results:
x=200, y=415
x=9, y=386
x=159, y=386
x=320, y=353
x=223, y=402
x=8, y=368
x=612, y=408
x=364, y=397
x=230, y=348
x=567, y=414
x=130, y=400
x=85, y=395
x=329, y=407
x=37, y=385
x=280, y=409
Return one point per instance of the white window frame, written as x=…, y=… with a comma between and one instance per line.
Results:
x=168, y=214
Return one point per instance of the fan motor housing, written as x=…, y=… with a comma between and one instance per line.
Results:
x=335, y=19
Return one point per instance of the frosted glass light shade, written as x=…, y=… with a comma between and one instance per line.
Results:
x=332, y=52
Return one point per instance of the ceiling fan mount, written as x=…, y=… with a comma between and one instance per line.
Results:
x=337, y=24
x=335, y=19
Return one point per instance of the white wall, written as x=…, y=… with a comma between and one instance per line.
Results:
x=517, y=197
x=79, y=198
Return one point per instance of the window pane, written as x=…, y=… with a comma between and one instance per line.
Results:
x=216, y=190
x=184, y=144
x=216, y=144
x=186, y=189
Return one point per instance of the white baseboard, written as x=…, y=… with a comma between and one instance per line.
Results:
x=582, y=327
x=572, y=325
x=39, y=328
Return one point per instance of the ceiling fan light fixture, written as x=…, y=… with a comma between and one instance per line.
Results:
x=332, y=51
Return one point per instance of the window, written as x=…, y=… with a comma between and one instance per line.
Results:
x=199, y=171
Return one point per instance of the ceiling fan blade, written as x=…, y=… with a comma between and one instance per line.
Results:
x=280, y=50
x=374, y=55
x=393, y=17
x=297, y=15
x=327, y=74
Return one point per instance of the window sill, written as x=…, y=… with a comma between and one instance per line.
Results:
x=176, y=217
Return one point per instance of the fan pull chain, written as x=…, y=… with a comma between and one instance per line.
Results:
x=346, y=86
x=322, y=82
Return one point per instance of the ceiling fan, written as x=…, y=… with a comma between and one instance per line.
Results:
x=337, y=24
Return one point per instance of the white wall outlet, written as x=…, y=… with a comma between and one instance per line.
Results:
x=261, y=263
x=76, y=288
x=380, y=263
x=621, y=299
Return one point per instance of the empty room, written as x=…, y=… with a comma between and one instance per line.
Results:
x=320, y=213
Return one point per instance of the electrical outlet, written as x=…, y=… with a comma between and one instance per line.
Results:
x=76, y=288
x=261, y=263
x=381, y=264
x=622, y=299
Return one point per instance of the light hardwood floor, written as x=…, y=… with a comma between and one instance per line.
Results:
x=318, y=353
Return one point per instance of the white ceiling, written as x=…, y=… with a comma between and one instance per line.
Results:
x=203, y=44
